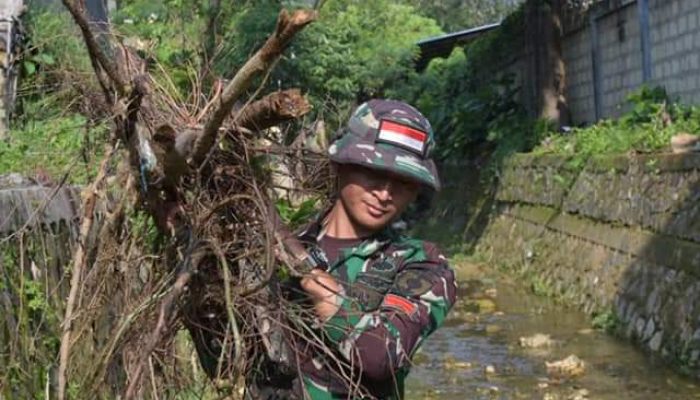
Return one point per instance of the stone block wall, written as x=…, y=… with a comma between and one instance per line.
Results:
x=675, y=48
x=576, y=51
x=620, y=58
x=621, y=235
x=675, y=55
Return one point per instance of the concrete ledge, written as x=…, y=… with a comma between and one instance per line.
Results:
x=34, y=205
x=654, y=163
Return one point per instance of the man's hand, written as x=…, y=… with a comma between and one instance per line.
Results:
x=324, y=291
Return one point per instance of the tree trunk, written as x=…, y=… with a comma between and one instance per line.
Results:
x=546, y=64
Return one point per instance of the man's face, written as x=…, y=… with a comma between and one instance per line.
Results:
x=373, y=198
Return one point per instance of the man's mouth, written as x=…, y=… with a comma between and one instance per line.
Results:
x=376, y=212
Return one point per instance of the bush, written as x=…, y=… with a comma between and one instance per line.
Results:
x=649, y=125
x=355, y=50
x=468, y=105
x=54, y=147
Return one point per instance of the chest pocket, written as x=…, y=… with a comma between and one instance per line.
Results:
x=374, y=283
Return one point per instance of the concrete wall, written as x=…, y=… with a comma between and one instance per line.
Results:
x=675, y=37
x=622, y=234
x=674, y=51
x=579, y=76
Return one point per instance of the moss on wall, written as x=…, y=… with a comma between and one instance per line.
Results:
x=618, y=238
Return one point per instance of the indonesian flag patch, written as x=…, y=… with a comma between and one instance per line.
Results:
x=402, y=136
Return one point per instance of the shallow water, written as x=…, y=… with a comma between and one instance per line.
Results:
x=477, y=355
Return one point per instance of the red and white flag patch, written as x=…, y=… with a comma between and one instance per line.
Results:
x=402, y=135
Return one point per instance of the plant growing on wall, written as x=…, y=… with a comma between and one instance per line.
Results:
x=648, y=126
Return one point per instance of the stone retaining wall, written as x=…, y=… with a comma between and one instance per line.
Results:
x=622, y=235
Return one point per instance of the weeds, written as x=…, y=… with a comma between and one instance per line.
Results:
x=606, y=320
x=648, y=127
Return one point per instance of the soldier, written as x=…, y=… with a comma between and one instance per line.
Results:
x=376, y=294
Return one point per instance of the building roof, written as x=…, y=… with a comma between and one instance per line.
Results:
x=441, y=46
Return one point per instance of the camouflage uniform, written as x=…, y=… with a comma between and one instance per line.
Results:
x=396, y=290
x=366, y=142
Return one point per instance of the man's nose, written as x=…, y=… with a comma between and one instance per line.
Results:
x=383, y=191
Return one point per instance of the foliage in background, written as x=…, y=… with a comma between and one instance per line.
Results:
x=355, y=50
x=168, y=32
x=54, y=59
x=649, y=125
x=454, y=15
x=469, y=105
x=55, y=130
x=53, y=147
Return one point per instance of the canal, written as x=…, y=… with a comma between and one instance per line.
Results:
x=500, y=336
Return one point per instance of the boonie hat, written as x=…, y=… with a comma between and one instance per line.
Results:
x=388, y=135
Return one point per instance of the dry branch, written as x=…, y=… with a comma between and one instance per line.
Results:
x=262, y=60
x=274, y=109
x=164, y=320
x=226, y=206
x=90, y=198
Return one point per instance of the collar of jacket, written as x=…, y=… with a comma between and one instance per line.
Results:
x=312, y=233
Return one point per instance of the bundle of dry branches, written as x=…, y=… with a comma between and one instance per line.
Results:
x=207, y=261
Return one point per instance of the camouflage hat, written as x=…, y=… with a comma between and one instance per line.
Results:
x=388, y=135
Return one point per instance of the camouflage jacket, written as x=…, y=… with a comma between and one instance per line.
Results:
x=397, y=291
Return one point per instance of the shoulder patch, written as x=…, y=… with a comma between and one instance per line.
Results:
x=413, y=282
x=401, y=304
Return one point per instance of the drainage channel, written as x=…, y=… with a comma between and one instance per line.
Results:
x=503, y=342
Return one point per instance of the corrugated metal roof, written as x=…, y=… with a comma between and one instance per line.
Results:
x=441, y=46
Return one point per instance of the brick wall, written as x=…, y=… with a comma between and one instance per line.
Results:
x=675, y=56
x=579, y=76
x=675, y=37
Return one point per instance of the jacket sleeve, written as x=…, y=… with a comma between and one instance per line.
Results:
x=378, y=343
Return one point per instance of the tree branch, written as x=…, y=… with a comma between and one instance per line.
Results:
x=77, y=10
x=262, y=60
x=274, y=109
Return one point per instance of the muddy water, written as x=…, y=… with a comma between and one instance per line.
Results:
x=478, y=355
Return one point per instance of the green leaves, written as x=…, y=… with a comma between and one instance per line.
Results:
x=648, y=126
x=356, y=49
x=29, y=67
x=292, y=215
x=30, y=63
x=53, y=144
x=467, y=103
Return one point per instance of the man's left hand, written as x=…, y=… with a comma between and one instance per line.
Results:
x=324, y=291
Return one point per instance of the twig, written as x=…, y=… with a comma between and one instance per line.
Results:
x=153, y=379
x=126, y=321
x=287, y=27
x=184, y=275
x=79, y=259
x=237, y=343
x=163, y=319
